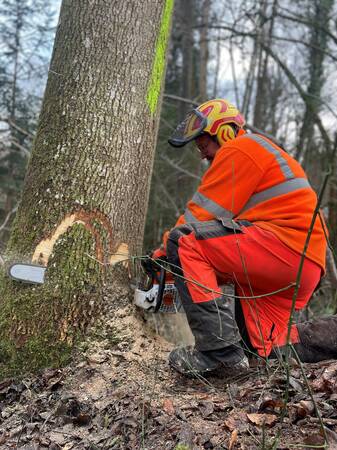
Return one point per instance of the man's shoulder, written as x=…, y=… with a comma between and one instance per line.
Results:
x=247, y=146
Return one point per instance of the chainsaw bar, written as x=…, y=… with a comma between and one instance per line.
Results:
x=27, y=273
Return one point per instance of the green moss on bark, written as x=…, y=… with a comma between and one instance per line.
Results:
x=39, y=324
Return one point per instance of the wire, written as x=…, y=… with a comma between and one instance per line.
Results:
x=162, y=264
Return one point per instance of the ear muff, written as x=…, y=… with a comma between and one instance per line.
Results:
x=226, y=133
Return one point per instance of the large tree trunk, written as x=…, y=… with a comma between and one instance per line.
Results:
x=86, y=190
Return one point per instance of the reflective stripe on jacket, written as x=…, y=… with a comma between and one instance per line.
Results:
x=253, y=179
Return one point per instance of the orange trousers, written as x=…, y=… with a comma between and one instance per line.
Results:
x=206, y=255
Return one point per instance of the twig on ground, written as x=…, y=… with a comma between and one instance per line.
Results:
x=310, y=393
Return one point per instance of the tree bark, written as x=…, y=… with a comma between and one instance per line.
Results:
x=262, y=99
x=307, y=147
x=86, y=191
x=187, y=44
x=204, y=53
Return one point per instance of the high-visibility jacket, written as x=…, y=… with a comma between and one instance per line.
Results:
x=253, y=179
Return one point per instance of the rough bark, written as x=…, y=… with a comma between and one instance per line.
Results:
x=187, y=82
x=86, y=191
x=204, y=52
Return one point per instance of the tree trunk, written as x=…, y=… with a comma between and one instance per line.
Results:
x=307, y=147
x=187, y=44
x=262, y=99
x=204, y=53
x=86, y=191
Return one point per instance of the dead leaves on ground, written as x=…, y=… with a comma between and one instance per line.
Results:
x=105, y=410
x=262, y=420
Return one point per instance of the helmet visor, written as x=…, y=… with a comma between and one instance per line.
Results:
x=190, y=128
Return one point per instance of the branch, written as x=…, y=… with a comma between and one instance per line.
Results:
x=8, y=217
x=21, y=130
x=181, y=99
x=304, y=21
x=167, y=195
x=252, y=34
x=20, y=147
x=180, y=169
x=14, y=125
x=302, y=93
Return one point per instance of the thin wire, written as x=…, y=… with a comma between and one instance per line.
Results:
x=207, y=289
x=191, y=280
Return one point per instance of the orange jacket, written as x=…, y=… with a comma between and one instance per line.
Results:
x=251, y=178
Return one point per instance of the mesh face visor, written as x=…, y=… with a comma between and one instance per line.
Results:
x=189, y=129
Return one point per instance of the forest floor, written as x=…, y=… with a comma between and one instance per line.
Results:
x=120, y=394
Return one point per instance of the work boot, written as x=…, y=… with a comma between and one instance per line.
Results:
x=226, y=362
x=317, y=340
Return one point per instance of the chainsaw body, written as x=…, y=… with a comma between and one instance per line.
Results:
x=152, y=301
x=158, y=293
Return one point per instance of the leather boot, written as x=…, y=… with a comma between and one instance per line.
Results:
x=226, y=362
x=317, y=340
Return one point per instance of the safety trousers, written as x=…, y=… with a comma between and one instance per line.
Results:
x=206, y=255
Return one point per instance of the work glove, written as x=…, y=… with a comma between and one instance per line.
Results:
x=151, y=267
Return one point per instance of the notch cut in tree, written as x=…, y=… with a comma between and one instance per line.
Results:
x=86, y=190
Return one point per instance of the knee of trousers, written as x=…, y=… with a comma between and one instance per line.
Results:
x=173, y=242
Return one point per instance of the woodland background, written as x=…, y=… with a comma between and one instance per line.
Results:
x=275, y=60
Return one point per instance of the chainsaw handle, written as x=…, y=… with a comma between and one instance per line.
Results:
x=161, y=287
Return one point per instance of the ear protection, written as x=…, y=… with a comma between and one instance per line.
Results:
x=226, y=133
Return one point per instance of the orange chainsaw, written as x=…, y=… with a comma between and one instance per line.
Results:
x=157, y=293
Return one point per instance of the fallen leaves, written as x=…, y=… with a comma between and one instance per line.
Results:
x=168, y=406
x=117, y=406
x=233, y=440
x=206, y=408
x=304, y=408
x=237, y=420
x=262, y=420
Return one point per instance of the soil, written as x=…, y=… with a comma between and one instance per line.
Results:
x=119, y=393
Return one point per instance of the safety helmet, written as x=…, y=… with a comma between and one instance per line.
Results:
x=214, y=117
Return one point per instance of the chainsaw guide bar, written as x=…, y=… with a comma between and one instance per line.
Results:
x=27, y=273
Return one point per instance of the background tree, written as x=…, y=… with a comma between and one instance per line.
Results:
x=26, y=33
x=87, y=183
x=177, y=172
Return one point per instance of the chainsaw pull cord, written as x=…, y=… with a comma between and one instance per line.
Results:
x=161, y=287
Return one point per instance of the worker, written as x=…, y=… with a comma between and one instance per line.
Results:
x=246, y=224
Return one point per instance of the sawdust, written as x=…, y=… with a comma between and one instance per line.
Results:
x=172, y=327
x=131, y=328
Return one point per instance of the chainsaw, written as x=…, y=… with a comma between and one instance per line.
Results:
x=155, y=292
x=158, y=293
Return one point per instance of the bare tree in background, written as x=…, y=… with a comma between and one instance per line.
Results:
x=25, y=40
